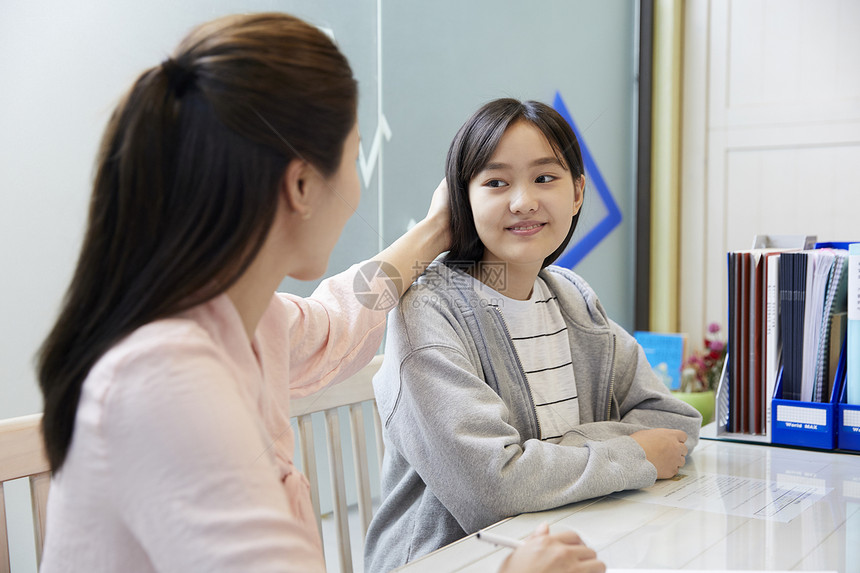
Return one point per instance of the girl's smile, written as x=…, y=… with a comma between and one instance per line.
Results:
x=526, y=228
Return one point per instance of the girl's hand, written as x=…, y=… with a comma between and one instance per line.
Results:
x=559, y=553
x=664, y=448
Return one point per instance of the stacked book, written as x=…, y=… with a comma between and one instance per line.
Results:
x=813, y=304
x=787, y=310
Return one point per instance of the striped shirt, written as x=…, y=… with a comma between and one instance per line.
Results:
x=540, y=338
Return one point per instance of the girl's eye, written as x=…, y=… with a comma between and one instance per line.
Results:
x=494, y=183
x=544, y=179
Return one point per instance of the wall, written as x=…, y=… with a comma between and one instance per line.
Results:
x=424, y=67
x=771, y=140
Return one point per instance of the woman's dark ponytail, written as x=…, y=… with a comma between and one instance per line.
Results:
x=186, y=186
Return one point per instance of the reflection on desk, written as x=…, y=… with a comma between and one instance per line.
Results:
x=634, y=534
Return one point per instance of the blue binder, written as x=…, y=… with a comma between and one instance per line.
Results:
x=848, y=420
x=809, y=424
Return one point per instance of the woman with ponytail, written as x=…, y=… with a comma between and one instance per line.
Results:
x=168, y=375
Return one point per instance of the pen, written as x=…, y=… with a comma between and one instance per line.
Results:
x=500, y=540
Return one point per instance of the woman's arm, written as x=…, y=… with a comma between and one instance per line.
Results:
x=338, y=329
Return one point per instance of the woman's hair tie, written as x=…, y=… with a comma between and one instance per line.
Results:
x=179, y=77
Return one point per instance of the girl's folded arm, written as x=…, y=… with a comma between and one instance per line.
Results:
x=643, y=400
x=456, y=433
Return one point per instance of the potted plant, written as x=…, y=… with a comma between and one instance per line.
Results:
x=700, y=373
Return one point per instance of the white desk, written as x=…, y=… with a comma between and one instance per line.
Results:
x=630, y=534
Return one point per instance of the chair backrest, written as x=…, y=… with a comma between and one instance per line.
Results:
x=22, y=455
x=352, y=393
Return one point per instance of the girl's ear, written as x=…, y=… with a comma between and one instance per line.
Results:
x=578, y=193
x=295, y=189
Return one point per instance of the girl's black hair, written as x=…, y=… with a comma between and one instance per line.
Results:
x=472, y=149
x=187, y=185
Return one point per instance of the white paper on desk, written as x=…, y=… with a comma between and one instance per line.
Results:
x=611, y=570
x=732, y=495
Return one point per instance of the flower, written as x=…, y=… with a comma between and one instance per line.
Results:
x=702, y=370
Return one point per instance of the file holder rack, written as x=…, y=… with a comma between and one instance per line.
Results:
x=721, y=410
x=808, y=424
x=795, y=422
x=836, y=428
x=818, y=424
x=722, y=414
x=804, y=424
x=848, y=415
x=848, y=421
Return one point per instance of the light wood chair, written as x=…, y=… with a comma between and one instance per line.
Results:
x=22, y=455
x=351, y=393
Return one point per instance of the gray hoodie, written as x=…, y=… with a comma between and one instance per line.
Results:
x=462, y=447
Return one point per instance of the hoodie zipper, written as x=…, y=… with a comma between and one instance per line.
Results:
x=611, y=380
x=523, y=370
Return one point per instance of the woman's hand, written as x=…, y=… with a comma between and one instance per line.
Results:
x=664, y=448
x=406, y=258
x=559, y=553
x=439, y=213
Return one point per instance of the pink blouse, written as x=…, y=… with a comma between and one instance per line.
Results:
x=182, y=456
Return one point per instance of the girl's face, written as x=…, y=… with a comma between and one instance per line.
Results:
x=523, y=200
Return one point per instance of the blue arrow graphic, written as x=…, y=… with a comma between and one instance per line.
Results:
x=578, y=250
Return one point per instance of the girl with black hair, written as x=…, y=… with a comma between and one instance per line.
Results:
x=505, y=387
